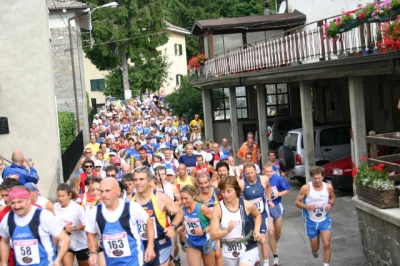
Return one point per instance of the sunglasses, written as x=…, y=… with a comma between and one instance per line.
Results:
x=99, y=166
x=87, y=152
x=110, y=175
x=117, y=164
x=88, y=166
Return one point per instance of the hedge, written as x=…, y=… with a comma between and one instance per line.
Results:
x=67, y=127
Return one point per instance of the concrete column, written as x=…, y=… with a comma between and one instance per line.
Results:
x=234, y=121
x=308, y=129
x=262, y=123
x=357, y=115
x=208, y=123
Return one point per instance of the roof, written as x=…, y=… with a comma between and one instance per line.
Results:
x=250, y=22
x=65, y=4
x=177, y=29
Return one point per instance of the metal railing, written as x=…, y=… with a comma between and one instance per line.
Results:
x=304, y=46
x=71, y=156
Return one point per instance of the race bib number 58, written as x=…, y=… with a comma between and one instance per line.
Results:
x=27, y=251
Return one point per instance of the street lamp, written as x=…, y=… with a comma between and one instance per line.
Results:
x=87, y=11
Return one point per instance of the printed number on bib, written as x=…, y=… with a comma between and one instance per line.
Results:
x=27, y=251
x=116, y=245
x=234, y=251
x=274, y=192
x=142, y=229
x=258, y=202
x=191, y=224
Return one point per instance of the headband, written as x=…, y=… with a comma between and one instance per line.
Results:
x=18, y=193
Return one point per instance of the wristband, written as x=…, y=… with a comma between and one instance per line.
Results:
x=174, y=226
x=75, y=228
x=204, y=231
x=93, y=252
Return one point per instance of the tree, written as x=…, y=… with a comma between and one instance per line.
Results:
x=131, y=32
x=185, y=102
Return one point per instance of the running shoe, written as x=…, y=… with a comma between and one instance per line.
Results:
x=177, y=262
x=276, y=261
x=315, y=253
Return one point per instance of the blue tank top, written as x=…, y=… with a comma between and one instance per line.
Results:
x=170, y=165
x=120, y=245
x=29, y=248
x=192, y=221
x=255, y=193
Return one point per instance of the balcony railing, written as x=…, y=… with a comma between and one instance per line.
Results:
x=295, y=47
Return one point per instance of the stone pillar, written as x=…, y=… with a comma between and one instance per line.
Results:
x=262, y=123
x=357, y=115
x=308, y=129
x=234, y=121
x=208, y=123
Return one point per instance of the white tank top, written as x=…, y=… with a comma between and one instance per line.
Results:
x=321, y=199
x=227, y=216
x=41, y=201
x=167, y=190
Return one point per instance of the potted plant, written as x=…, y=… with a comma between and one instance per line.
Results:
x=331, y=30
x=395, y=8
x=389, y=39
x=373, y=185
x=347, y=21
x=362, y=14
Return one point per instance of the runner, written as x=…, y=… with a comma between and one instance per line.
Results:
x=31, y=231
x=239, y=232
x=116, y=221
x=277, y=167
x=183, y=178
x=199, y=247
x=157, y=205
x=74, y=218
x=202, y=167
x=188, y=159
x=162, y=184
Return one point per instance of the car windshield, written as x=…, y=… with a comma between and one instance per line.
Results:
x=291, y=141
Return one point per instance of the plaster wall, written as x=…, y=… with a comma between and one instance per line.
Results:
x=27, y=94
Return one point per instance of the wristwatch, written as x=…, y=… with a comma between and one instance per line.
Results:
x=174, y=226
x=75, y=228
x=93, y=252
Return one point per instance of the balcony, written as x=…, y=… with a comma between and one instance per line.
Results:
x=294, y=47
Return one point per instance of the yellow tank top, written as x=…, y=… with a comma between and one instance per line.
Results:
x=180, y=184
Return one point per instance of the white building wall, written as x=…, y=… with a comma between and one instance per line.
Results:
x=27, y=94
x=178, y=62
x=92, y=72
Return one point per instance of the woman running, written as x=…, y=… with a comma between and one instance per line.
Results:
x=196, y=220
x=74, y=218
x=239, y=222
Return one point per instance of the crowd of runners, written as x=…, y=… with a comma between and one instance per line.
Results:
x=150, y=185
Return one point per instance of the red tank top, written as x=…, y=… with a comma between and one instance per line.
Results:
x=202, y=169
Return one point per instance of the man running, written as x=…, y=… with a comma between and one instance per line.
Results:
x=277, y=167
x=158, y=205
x=317, y=198
x=116, y=220
x=31, y=231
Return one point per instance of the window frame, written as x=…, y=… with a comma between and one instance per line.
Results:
x=278, y=96
x=226, y=108
x=97, y=83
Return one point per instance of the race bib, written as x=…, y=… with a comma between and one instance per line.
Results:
x=274, y=192
x=234, y=251
x=189, y=170
x=319, y=210
x=116, y=245
x=191, y=224
x=258, y=202
x=27, y=251
x=142, y=229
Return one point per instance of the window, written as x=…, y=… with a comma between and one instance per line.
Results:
x=221, y=108
x=178, y=78
x=97, y=84
x=178, y=49
x=225, y=42
x=277, y=99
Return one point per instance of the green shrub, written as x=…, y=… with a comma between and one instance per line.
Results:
x=67, y=127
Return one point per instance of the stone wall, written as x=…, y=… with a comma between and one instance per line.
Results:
x=63, y=75
x=380, y=233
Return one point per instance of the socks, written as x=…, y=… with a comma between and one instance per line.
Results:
x=266, y=262
x=326, y=264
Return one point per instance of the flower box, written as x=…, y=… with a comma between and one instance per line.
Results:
x=381, y=198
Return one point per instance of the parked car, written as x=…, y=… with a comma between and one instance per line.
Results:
x=339, y=172
x=278, y=127
x=332, y=141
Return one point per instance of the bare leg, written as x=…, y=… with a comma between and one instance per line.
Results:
x=278, y=228
x=271, y=236
x=264, y=247
x=314, y=242
x=326, y=244
x=208, y=259
x=218, y=255
x=68, y=259
x=194, y=257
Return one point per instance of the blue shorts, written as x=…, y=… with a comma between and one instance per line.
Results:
x=277, y=211
x=313, y=228
x=206, y=249
x=264, y=223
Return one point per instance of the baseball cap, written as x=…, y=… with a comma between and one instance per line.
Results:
x=148, y=137
x=184, y=139
x=113, y=153
x=170, y=172
x=98, y=163
x=31, y=186
x=116, y=160
x=161, y=136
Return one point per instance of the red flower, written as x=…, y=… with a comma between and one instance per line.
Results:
x=381, y=165
x=363, y=159
x=354, y=172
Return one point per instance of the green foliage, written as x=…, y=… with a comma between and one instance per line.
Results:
x=149, y=74
x=374, y=176
x=185, y=102
x=67, y=128
x=133, y=30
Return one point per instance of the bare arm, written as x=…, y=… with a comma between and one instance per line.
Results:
x=253, y=211
x=4, y=251
x=300, y=197
x=215, y=233
x=149, y=253
x=92, y=245
x=50, y=207
x=332, y=197
x=177, y=195
x=172, y=208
